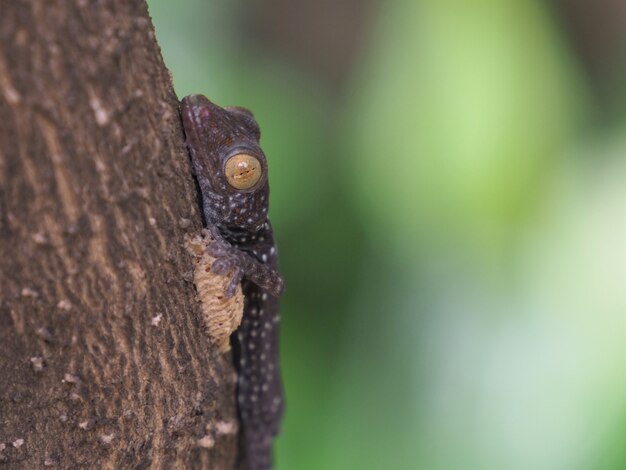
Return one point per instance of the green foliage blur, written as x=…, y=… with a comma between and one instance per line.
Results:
x=451, y=227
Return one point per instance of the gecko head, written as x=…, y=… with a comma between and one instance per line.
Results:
x=228, y=161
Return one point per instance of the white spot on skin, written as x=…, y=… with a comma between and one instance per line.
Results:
x=264, y=259
x=272, y=250
x=264, y=295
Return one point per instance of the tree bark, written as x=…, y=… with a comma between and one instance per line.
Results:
x=103, y=358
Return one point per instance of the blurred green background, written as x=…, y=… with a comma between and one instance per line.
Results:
x=448, y=198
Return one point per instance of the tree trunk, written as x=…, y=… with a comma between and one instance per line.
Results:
x=103, y=358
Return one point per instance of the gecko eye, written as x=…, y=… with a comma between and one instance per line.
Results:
x=242, y=171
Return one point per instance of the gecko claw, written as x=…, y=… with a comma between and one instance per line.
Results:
x=278, y=287
x=228, y=266
x=222, y=266
x=234, y=281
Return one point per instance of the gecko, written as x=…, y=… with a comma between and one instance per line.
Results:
x=231, y=172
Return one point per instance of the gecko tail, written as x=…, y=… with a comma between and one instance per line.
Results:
x=255, y=453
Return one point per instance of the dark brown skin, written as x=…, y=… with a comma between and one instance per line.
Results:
x=244, y=249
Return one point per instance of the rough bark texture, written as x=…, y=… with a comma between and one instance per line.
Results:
x=103, y=359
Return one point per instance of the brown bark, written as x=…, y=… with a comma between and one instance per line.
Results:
x=103, y=358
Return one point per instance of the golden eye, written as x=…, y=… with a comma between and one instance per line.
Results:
x=242, y=171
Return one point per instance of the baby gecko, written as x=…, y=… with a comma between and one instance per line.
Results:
x=231, y=170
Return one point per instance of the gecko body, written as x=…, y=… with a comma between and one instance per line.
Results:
x=231, y=171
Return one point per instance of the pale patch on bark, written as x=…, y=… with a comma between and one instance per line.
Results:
x=65, y=186
x=11, y=95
